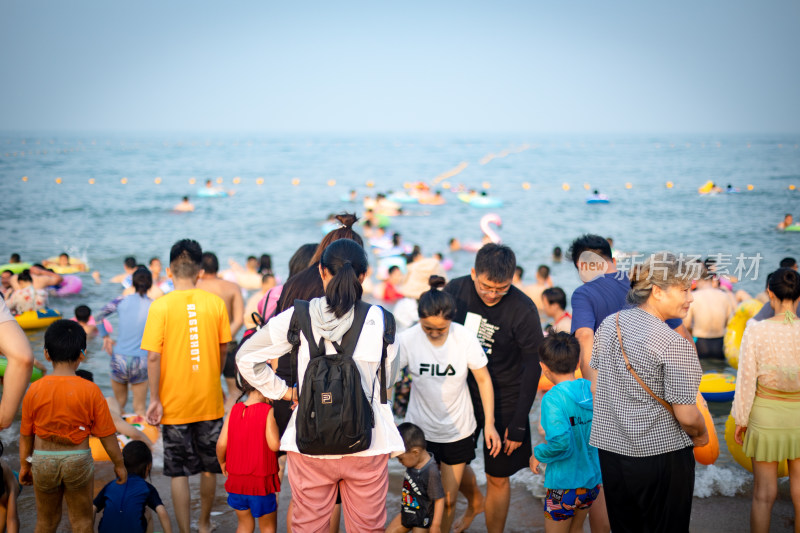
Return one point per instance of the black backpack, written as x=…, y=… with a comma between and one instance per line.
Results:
x=334, y=416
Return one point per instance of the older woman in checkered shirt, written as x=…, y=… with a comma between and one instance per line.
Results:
x=645, y=451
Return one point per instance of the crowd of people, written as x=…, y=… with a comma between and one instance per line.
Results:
x=314, y=389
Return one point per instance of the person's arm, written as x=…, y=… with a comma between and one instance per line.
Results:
x=45, y=278
x=15, y=346
x=268, y=343
x=222, y=446
x=273, y=433
x=155, y=410
x=163, y=517
x=490, y=435
x=438, y=514
x=12, y=516
x=691, y=420
x=237, y=309
x=585, y=337
x=130, y=431
x=111, y=446
x=558, y=435
x=682, y=374
x=25, y=451
x=528, y=337
x=746, y=384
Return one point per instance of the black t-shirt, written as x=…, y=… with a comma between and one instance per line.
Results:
x=421, y=488
x=510, y=334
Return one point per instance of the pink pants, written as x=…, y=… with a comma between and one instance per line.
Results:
x=363, y=483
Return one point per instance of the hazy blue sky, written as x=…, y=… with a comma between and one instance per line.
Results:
x=345, y=66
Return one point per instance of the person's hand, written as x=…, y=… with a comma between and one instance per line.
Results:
x=534, y=464
x=700, y=440
x=25, y=475
x=121, y=473
x=738, y=434
x=108, y=345
x=291, y=396
x=510, y=445
x=435, y=529
x=492, y=439
x=223, y=466
x=154, y=413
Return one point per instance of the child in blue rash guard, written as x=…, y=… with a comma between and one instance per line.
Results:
x=572, y=477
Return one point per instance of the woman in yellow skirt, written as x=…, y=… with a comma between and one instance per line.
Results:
x=767, y=403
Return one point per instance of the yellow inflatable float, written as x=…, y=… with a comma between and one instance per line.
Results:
x=37, y=319
x=99, y=453
x=718, y=387
x=733, y=334
x=738, y=454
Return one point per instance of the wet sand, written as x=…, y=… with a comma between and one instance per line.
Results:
x=709, y=515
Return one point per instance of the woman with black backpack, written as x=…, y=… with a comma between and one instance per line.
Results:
x=342, y=432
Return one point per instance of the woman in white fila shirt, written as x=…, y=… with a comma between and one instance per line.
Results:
x=439, y=355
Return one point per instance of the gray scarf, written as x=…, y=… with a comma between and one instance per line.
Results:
x=323, y=319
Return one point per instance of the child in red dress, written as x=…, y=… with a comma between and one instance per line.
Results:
x=246, y=452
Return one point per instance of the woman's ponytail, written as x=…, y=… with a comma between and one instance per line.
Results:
x=345, y=260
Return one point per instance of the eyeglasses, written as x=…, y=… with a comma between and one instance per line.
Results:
x=498, y=291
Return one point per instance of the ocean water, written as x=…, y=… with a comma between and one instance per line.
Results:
x=104, y=221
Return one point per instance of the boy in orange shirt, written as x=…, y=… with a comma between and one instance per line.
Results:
x=186, y=331
x=59, y=412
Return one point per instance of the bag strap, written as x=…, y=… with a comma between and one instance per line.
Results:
x=389, y=330
x=348, y=343
x=663, y=402
x=301, y=321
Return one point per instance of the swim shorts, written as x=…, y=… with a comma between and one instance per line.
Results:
x=68, y=469
x=257, y=505
x=129, y=369
x=453, y=453
x=191, y=448
x=561, y=504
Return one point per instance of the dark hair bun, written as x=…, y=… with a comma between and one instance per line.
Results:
x=785, y=284
x=347, y=219
x=436, y=282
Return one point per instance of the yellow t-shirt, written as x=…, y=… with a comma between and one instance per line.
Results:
x=186, y=327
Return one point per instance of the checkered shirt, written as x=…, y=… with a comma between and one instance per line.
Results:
x=627, y=420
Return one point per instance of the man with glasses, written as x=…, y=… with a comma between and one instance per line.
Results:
x=507, y=325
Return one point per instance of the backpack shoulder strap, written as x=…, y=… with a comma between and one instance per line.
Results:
x=348, y=343
x=301, y=321
x=389, y=329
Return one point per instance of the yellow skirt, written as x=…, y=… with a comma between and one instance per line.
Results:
x=773, y=431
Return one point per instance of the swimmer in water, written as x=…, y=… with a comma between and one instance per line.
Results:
x=64, y=261
x=788, y=220
x=185, y=206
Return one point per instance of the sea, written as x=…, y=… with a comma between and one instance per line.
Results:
x=103, y=196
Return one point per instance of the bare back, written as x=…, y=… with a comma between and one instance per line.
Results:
x=230, y=293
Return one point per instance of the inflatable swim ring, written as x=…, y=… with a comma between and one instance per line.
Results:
x=793, y=227
x=733, y=333
x=738, y=454
x=92, y=322
x=718, y=387
x=75, y=266
x=545, y=384
x=486, y=201
x=16, y=268
x=708, y=454
x=99, y=453
x=385, y=263
x=37, y=319
x=206, y=192
x=706, y=188
x=69, y=285
x=36, y=374
x=598, y=199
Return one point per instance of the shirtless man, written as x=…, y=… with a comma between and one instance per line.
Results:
x=129, y=265
x=535, y=290
x=185, y=206
x=787, y=221
x=42, y=278
x=231, y=294
x=708, y=317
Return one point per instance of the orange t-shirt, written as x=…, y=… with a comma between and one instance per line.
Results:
x=65, y=408
x=186, y=327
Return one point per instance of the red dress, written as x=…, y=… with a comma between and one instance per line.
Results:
x=252, y=466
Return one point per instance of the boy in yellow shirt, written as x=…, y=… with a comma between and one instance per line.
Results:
x=186, y=331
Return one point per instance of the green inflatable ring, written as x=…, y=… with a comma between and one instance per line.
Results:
x=36, y=374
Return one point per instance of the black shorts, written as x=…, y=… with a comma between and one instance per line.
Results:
x=710, y=348
x=191, y=448
x=229, y=370
x=453, y=453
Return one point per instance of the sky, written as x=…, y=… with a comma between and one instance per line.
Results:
x=685, y=66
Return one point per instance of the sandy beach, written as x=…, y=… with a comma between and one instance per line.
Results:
x=709, y=515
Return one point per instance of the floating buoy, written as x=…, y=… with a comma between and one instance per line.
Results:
x=58, y=180
x=370, y=184
x=24, y=178
x=407, y=185
x=260, y=181
x=486, y=185
x=123, y=181
x=629, y=185
x=565, y=186
x=157, y=181
x=219, y=180
x=296, y=181
x=750, y=187
x=792, y=187
x=526, y=185
x=586, y=186
x=446, y=185
x=331, y=183
x=91, y=181
x=670, y=185
x=236, y=180
x=192, y=181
